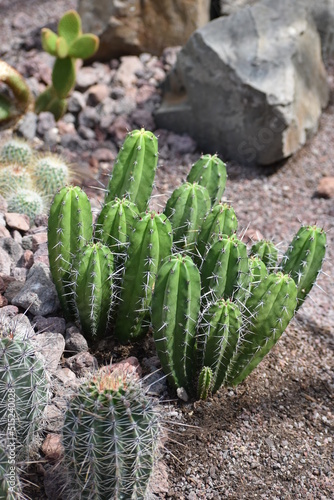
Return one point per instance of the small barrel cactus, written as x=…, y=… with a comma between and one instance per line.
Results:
x=14, y=177
x=111, y=439
x=50, y=173
x=16, y=151
x=26, y=201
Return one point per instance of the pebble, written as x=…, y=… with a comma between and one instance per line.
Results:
x=75, y=342
x=17, y=221
x=325, y=187
x=51, y=345
x=82, y=364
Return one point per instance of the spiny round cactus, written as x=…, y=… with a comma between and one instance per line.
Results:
x=50, y=174
x=111, y=438
x=16, y=151
x=24, y=383
x=26, y=201
x=14, y=177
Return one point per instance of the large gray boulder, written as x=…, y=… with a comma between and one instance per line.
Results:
x=250, y=86
x=134, y=26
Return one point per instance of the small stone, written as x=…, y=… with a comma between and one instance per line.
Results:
x=126, y=73
x=120, y=128
x=52, y=447
x=17, y=236
x=17, y=221
x=27, y=126
x=86, y=77
x=325, y=188
x=74, y=341
x=82, y=364
x=13, y=249
x=66, y=376
x=76, y=102
x=54, y=417
x=5, y=262
x=13, y=289
x=97, y=93
x=52, y=324
x=4, y=233
x=3, y=301
x=20, y=273
x=38, y=239
x=181, y=144
x=51, y=346
x=46, y=121
x=10, y=311
x=27, y=259
x=182, y=394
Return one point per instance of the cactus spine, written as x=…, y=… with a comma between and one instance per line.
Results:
x=150, y=242
x=69, y=228
x=16, y=151
x=267, y=252
x=304, y=258
x=134, y=169
x=92, y=272
x=26, y=201
x=175, y=311
x=111, y=437
x=50, y=174
x=210, y=172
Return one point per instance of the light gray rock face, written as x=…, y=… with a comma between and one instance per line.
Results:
x=250, y=86
x=136, y=26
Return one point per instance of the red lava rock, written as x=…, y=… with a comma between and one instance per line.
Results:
x=325, y=187
x=17, y=221
x=27, y=259
x=52, y=447
x=38, y=239
x=129, y=366
x=4, y=233
x=5, y=279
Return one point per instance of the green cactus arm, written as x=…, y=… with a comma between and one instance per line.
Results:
x=84, y=46
x=69, y=228
x=69, y=26
x=63, y=76
x=204, y=383
x=267, y=252
x=225, y=269
x=10, y=112
x=61, y=48
x=303, y=259
x=49, y=41
x=134, y=169
x=93, y=290
x=49, y=101
x=150, y=242
x=186, y=209
x=175, y=311
x=268, y=312
x=210, y=172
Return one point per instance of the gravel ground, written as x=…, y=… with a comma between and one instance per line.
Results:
x=272, y=437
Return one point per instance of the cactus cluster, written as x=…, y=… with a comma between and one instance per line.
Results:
x=67, y=46
x=111, y=438
x=216, y=307
x=29, y=180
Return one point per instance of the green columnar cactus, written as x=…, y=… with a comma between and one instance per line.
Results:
x=24, y=384
x=111, y=439
x=150, y=242
x=11, y=112
x=92, y=273
x=134, y=169
x=225, y=269
x=70, y=227
x=186, y=209
x=26, y=201
x=218, y=337
x=115, y=224
x=267, y=252
x=210, y=172
x=175, y=311
x=204, y=383
x=69, y=45
x=220, y=220
x=50, y=173
x=16, y=151
x=268, y=312
x=303, y=259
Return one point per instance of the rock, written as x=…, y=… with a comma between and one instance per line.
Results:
x=17, y=221
x=66, y=376
x=141, y=26
x=88, y=117
x=76, y=102
x=325, y=187
x=181, y=144
x=20, y=274
x=53, y=416
x=86, y=77
x=13, y=288
x=4, y=233
x=120, y=128
x=250, y=86
x=13, y=249
x=52, y=447
x=51, y=346
x=126, y=73
x=26, y=260
x=3, y=301
x=97, y=93
x=82, y=364
x=52, y=324
x=38, y=293
x=38, y=239
x=27, y=126
x=74, y=341
x=5, y=262
x=46, y=121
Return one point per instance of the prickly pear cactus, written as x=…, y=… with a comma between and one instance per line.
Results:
x=111, y=438
x=303, y=259
x=93, y=289
x=150, y=242
x=134, y=169
x=26, y=201
x=175, y=312
x=24, y=384
x=70, y=227
x=209, y=171
x=16, y=151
